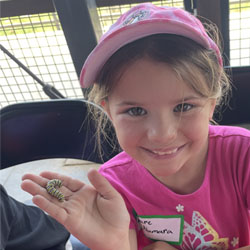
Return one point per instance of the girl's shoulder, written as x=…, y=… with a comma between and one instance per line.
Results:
x=219, y=131
x=118, y=162
x=122, y=171
x=228, y=143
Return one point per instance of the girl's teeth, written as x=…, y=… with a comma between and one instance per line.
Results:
x=166, y=153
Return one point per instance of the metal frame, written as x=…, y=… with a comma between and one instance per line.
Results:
x=25, y=7
x=78, y=28
x=217, y=11
x=80, y=21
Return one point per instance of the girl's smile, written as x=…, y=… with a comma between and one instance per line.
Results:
x=160, y=121
x=164, y=153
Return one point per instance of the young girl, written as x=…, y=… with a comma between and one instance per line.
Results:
x=179, y=183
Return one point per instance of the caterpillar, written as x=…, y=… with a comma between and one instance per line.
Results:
x=51, y=189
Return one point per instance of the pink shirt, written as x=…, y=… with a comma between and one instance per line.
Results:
x=216, y=216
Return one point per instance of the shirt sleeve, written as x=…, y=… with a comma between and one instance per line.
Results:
x=240, y=155
x=246, y=176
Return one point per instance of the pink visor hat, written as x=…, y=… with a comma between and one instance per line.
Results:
x=140, y=21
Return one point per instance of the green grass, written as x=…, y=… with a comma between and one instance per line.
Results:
x=29, y=24
x=239, y=6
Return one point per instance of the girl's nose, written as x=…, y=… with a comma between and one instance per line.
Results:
x=162, y=130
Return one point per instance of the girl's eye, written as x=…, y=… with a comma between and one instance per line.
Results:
x=183, y=107
x=136, y=111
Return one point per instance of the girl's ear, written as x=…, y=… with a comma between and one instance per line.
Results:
x=213, y=105
x=105, y=106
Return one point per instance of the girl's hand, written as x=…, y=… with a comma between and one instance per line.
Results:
x=159, y=245
x=95, y=215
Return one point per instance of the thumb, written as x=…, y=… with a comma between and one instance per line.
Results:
x=102, y=185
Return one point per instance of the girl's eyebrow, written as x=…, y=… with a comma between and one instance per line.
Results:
x=190, y=98
x=185, y=99
x=128, y=103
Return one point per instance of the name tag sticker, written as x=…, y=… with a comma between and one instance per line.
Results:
x=165, y=228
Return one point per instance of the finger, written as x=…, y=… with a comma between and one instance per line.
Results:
x=67, y=181
x=159, y=245
x=33, y=188
x=102, y=185
x=52, y=209
x=42, y=179
x=36, y=178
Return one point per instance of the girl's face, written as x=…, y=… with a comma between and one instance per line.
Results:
x=159, y=120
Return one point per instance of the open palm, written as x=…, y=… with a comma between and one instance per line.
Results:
x=94, y=214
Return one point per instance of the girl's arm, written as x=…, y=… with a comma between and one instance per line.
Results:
x=132, y=239
x=244, y=248
x=96, y=215
x=159, y=245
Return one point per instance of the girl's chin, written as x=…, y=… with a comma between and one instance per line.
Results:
x=165, y=174
x=163, y=171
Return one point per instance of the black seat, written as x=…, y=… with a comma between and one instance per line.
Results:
x=50, y=129
x=238, y=111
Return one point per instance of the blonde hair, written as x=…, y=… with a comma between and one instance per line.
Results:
x=195, y=65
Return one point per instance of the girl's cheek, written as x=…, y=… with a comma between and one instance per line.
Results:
x=194, y=123
x=127, y=132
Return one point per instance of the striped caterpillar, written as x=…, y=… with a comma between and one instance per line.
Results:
x=51, y=189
